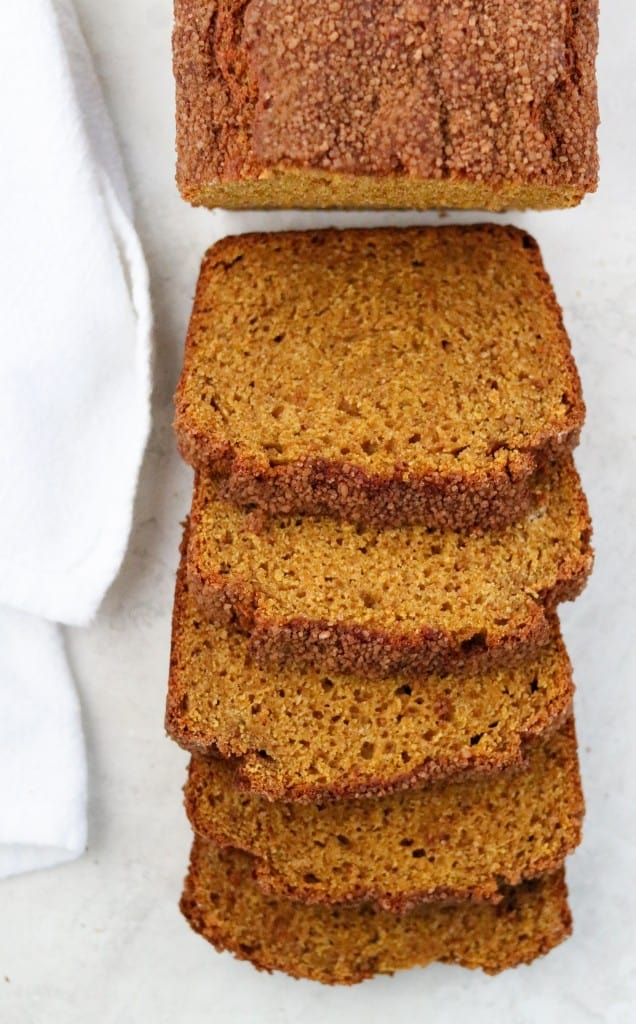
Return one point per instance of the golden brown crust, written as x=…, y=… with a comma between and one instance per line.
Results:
x=486, y=493
x=348, y=736
x=250, y=777
x=516, y=128
x=225, y=596
x=346, y=945
x=456, y=841
x=345, y=647
x=318, y=486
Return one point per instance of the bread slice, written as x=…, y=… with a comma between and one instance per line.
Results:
x=457, y=841
x=344, y=598
x=296, y=103
x=300, y=735
x=386, y=376
x=345, y=945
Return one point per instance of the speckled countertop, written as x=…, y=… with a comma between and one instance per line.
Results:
x=101, y=940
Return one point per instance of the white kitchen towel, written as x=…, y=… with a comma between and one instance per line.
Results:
x=42, y=772
x=75, y=330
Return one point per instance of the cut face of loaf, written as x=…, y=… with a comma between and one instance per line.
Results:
x=385, y=376
x=370, y=103
x=451, y=841
x=378, y=602
x=301, y=735
x=344, y=945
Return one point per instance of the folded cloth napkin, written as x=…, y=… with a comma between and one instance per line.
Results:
x=74, y=409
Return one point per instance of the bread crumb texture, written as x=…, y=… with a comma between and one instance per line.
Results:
x=347, y=598
x=385, y=376
x=459, y=840
x=299, y=102
x=345, y=945
x=301, y=735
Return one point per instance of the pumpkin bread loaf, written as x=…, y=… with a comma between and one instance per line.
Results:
x=301, y=735
x=377, y=602
x=345, y=945
x=375, y=103
x=385, y=376
x=446, y=841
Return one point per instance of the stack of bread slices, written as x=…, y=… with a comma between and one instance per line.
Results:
x=367, y=664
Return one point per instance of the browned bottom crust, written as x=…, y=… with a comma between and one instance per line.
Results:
x=457, y=841
x=345, y=647
x=315, y=486
x=345, y=945
x=315, y=189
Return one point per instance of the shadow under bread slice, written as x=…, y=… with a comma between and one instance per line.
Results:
x=345, y=945
x=384, y=376
x=315, y=591
x=444, y=841
x=298, y=734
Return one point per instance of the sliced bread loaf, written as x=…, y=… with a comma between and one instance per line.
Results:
x=301, y=735
x=345, y=945
x=353, y=599
x=386, y=376
x=458, y=841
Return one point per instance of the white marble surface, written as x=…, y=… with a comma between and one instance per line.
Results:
x=101, y=940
